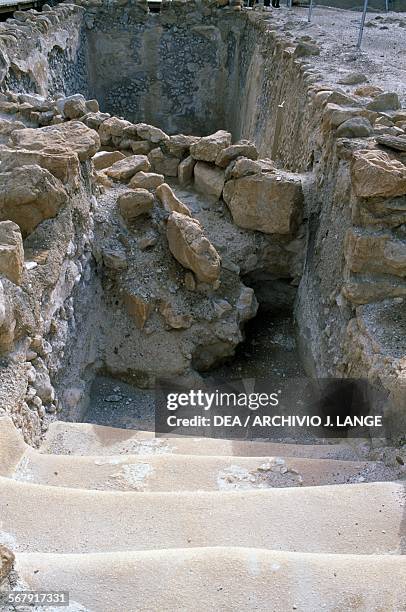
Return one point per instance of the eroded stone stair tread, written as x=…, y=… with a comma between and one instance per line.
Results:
x=363, y=518
x=189, y=472
x=65, y=438
x=12, y=447
x=220, y=579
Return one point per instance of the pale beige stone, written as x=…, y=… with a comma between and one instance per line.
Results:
x=146, y=180
x=208, y=148
x=113, y=126
x=169, y=200
x=163, y=163
x=151, y=133
x=173, y=318
x=270, y=203
x=134, y=203
x=29, y=195
x=209, y=179
x=11, y=252
x=105, y=159
x=190, y=247
x=72, y=136
x=243, y=148
x=125, y=169
x=185, y=170
x=375, y=174
x=374, y=252
x=7, y=559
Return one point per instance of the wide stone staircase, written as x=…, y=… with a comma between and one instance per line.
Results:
x=126, y=521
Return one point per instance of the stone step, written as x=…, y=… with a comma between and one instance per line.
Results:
x=191, y=472
x=12, y=447
x=65, y=438
x=363, y=518
x=220, y=578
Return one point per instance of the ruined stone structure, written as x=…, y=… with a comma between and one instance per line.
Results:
x=155, y=168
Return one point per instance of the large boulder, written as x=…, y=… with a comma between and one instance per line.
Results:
x=192, y=249
x=29, y=195
x=270, y=203
x=209, y=179
x=125, y=169
x=357, y=127
x=169, y=200
x=208, y=148
x=134, y=203
x=64, y=165
x=375, y=174
x=72, y=136
x=11, y=252
x=179, y=145
x=151, y=133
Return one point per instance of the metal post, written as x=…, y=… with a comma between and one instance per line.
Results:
x=387, y=6
x=361, y=29
x=309, y=17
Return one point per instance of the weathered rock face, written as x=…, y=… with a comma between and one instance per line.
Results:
x=134, y=203
x=73, y=107
x=192, y=249
x=29, y=195
x=209, y=179
x=124, y=169
x=269, y=203
x=163, y=163
x=209, y=147
x=169, y=200
x=375, y=174
x=11, y=252
x=73, y=136
x=375, y=252
x=6, y=562
x=138, y=308
x=185, y=170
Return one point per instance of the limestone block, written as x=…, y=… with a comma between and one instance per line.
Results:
x=243, y=148
x=112, y=127
x=125, y=169
x=11, y=252
x=94, y=120
x=29, y=195
x=139, y=147
x=163, y=163
x=7, y=127
x=208, y=148
x=92, y=106
x=209, y=179
x=62, y=164
x=179, y=145
x=105, y=159
x=185, y=170
x=169, y=200
x=192, y=249
x=72, y=136
x=72, y=107
x=375, y=252
x=146, y=180
x=375, y=174
x=242, y=167
x=138, y=307
x=134, y=203
x=151, y=133
x=398, y=143
x=269, y=202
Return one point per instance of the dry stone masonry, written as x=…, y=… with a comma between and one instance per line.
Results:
x=105, y=268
